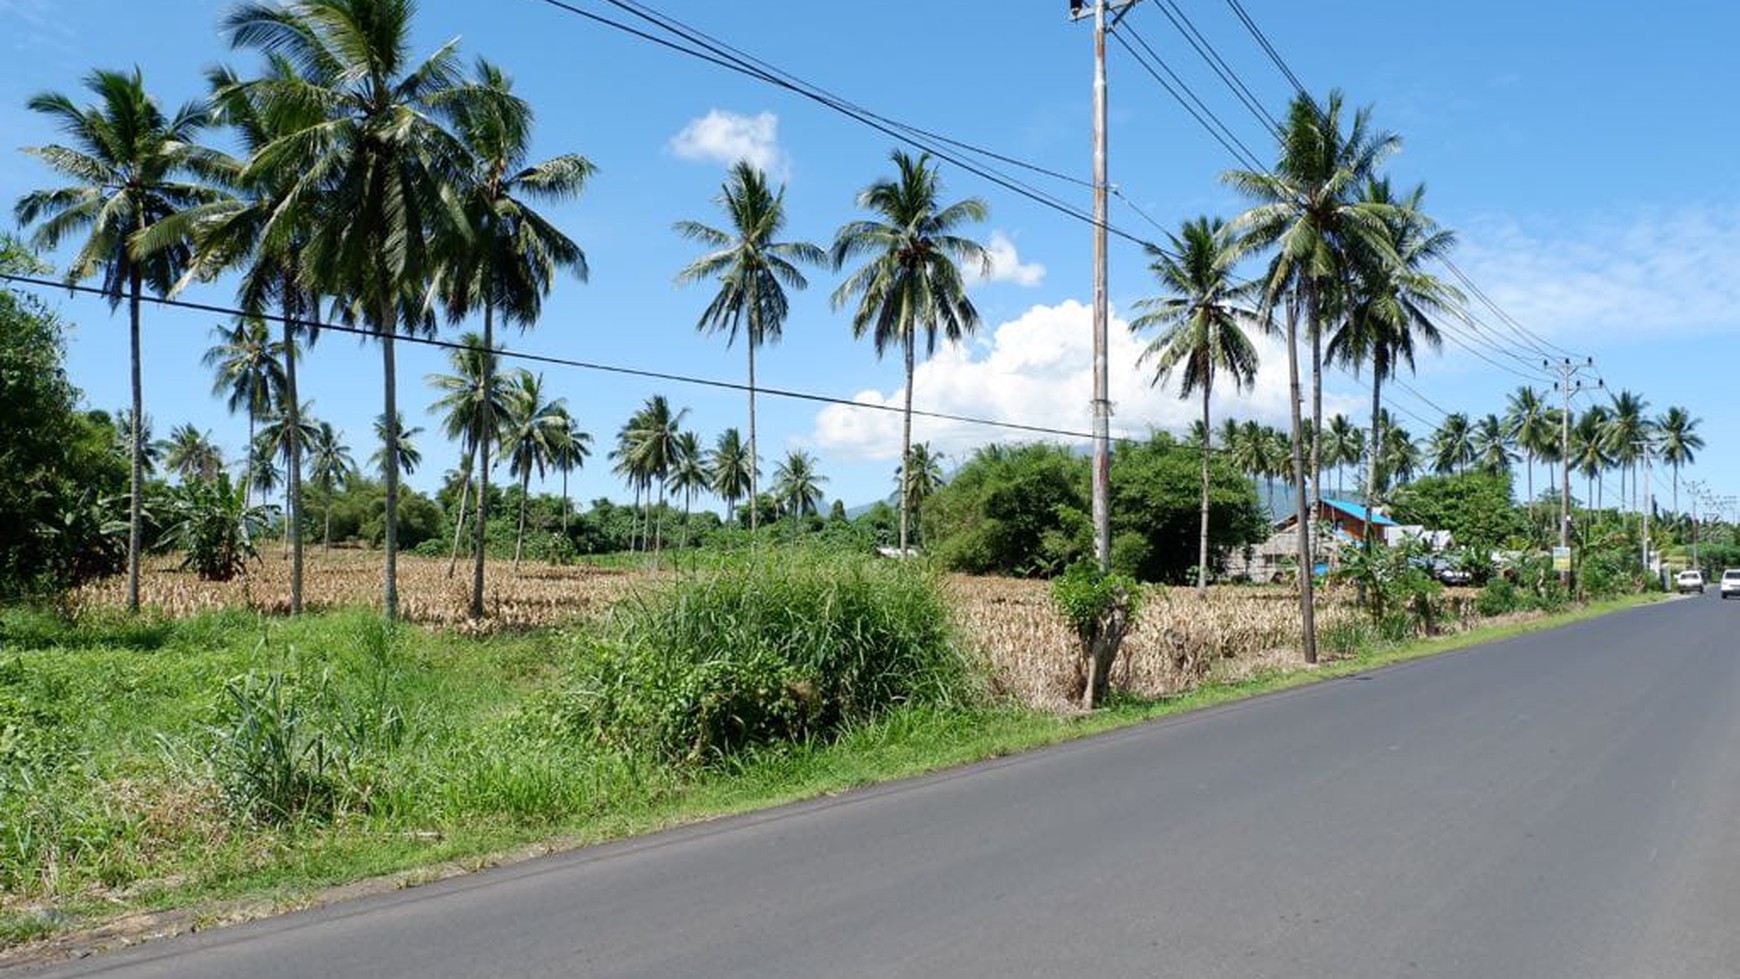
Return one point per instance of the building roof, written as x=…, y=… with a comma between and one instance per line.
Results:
x=1358, y=512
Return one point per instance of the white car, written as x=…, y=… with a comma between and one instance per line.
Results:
x=1689, y=580
x=1731, y=582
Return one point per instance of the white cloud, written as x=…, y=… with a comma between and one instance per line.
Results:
x=727, y=137
x=1037, y=370
x=1006, y=265
x=1653, y=274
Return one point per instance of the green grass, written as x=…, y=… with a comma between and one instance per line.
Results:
x=111, y=801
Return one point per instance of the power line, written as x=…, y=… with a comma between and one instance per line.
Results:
x=1206, y=49
x=1190, y=101
x=720, y=54
x=1268, y=48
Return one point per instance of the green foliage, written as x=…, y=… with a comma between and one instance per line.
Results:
x=767, y=653
x=1474, y=507
x=1011, y=510
x=1499, y=597
x=269, y=754
x=1157, y=510
x=58, y=464
x=1084, y=597
x=211, y=524
x=1024, y=510
x=1400, y=592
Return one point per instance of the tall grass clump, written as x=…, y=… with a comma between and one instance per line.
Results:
x=768, y=652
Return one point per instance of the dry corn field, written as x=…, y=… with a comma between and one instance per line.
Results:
x=539, y=595
x=1179, y=641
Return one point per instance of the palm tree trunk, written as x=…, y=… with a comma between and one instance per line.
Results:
x=564, y=501
x=520, y=537
x=1307, y=609
x=754, y=459
x=248, y=466
x=906, y=449
x=390, y=452
x=459, y=524
x=326, y=534
x=1202, y=550
x=484, y=437
x=1378, y=366
x=136, y=479
x=1312, y=301
x=293, y=418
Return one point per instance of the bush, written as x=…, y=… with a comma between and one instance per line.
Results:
x=767, y=653
x=1499, y=597
x=1101, y=609
x=270, y=756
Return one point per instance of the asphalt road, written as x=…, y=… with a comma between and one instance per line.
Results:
x=1564, y=804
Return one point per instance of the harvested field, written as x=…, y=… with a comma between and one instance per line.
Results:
x=1180, y=640
x=540, y=595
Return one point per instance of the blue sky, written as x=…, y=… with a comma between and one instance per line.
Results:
x=1583, y=151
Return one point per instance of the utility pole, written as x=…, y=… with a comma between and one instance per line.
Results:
x=1102, y=403
x=1697, y=487
x=1648, y=501
x=1570, y=383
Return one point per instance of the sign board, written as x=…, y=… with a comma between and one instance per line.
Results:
x=1561, y=559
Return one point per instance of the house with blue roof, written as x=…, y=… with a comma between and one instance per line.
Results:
x=1335, y=524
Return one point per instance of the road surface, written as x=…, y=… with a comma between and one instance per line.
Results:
x=1564, y=804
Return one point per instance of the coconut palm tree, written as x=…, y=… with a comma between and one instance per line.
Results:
x=126, y=162
x=376, y=168
x=1344, y=446
x=510, y=258
x=925, y=479
x=1453, y=444
x=230, y=235
x=284, y=435
x=631, y=466
x=405, y=456
x=1391, y=298
x=688, y=474
x=1679, y=443
x=799, y=486
x=534, y=430
x=150, y=450
x=330, y=467
x=1590, y=456
x=472, y=405
x=192, y=455
x=649, y=450
x=1401, y=456
x=1305, y=208
x=753, y=270
x=1202, y=320
x=1628, y=427
x=729, y=471
x=1530, y=424
x=569, y=454
x=910, y=282
x=1491, y=442
x=250, y=377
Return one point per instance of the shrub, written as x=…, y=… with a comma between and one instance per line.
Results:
x=1499, y=597
x=212, y=523
x=767, y=653
x=1101, y=608
x=270, y=756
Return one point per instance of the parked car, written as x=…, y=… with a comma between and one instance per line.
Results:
x=1690, y=580
x=1731, y=582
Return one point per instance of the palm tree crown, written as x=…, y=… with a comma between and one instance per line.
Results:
x=910, y=282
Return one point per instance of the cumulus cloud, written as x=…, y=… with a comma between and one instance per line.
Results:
x=1037, y=370
x=726, y=137
x=1006, y=265
x=1661, y=274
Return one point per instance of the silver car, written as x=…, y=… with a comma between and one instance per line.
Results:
x=1731, y=582
x=1689, y=580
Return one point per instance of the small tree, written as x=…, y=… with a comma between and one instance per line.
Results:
x=1101, y=607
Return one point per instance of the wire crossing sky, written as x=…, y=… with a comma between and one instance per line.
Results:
x=1569, y=145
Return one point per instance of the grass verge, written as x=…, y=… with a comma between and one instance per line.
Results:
x=141, y=831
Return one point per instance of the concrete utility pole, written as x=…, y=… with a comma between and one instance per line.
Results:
x=1570, y=383
x=1697, y=487
x=1648, y=501
x=1102, y=403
